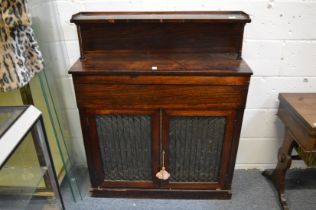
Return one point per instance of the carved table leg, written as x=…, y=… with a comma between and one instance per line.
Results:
x=277, y=175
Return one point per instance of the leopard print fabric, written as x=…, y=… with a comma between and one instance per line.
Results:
x=20, y=57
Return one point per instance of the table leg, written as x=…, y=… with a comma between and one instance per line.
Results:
x=277, y=175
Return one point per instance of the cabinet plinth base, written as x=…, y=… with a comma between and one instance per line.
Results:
x=162, y=193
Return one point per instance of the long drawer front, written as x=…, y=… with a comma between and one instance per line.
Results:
x=160, y=96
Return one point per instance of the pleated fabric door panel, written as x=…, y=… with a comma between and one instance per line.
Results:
x=195, y=147
x=196, y=144
x=125, y=146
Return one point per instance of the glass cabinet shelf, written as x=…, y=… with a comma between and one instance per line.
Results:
x=7, y=116
x=27, y=176
x=32, y=176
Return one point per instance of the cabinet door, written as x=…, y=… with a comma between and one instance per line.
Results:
x=122, y=148
x=197, y=146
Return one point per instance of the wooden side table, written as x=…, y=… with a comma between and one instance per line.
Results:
x=298, y=113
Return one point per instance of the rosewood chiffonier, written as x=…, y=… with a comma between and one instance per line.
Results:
x=161, y=97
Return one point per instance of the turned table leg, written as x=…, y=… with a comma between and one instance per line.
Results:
x=277, y=175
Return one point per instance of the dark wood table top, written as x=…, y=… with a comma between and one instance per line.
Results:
x=303, y=106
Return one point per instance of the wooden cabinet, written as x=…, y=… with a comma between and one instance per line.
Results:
x=160, y=90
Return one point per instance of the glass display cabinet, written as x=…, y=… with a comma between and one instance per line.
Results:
x=21, y=179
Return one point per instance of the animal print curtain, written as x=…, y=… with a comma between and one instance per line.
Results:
x=20, y=57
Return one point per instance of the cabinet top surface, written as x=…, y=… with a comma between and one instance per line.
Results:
x=8, y=115
x=303, y=105
x=161, y=64
x=197, y=16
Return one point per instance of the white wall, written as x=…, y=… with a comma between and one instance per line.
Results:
x=279, y=45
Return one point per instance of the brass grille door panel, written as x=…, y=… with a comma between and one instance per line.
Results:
x=125, y=147
x=195, y=148
x=141, y=147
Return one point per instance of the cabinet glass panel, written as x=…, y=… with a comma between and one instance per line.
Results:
x=21, y=178
x=27, y=177
x=195, y=148
x=8, y=116
x=125, y=144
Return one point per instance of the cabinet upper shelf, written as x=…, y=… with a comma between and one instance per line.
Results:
x=161, y=17
x=193, y=32
x=207, y=42
x=161, y=64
